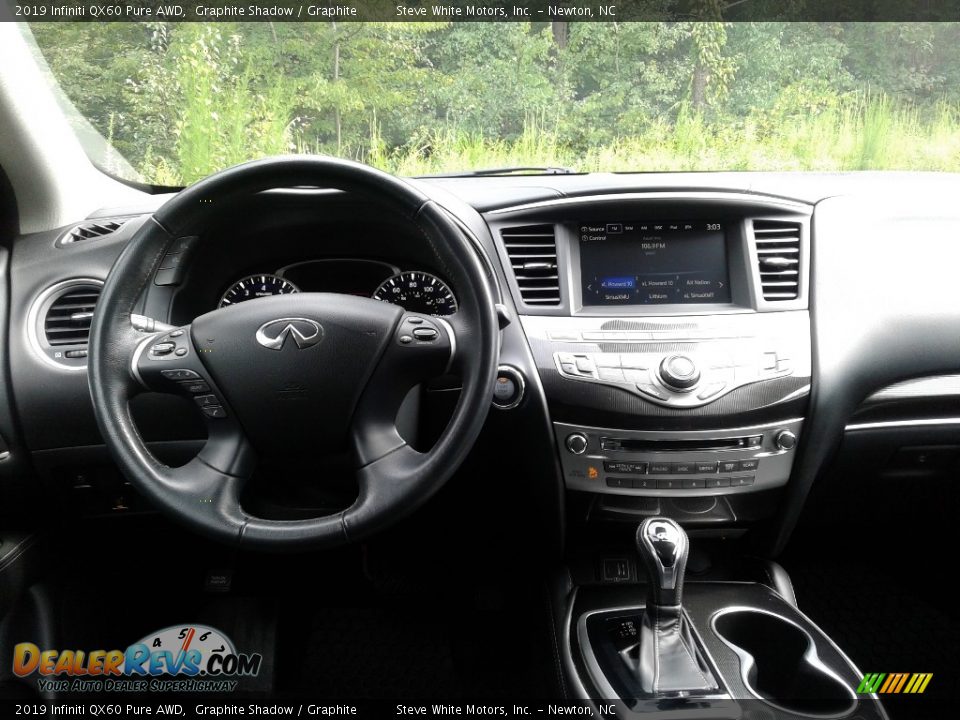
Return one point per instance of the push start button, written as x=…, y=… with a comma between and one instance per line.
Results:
x=509, y=388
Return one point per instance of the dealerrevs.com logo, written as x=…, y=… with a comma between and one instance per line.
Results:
x=188, y=658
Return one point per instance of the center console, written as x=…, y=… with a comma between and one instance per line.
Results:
x=671, y=334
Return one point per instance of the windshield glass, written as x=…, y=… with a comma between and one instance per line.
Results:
x=181, y=100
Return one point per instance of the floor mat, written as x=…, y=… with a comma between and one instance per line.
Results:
x=406, y=652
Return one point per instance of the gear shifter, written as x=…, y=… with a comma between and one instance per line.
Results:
x=664, y=547
x=669, y=661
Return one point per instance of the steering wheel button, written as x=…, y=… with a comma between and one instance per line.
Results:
x=195, y=386
x=179, y=374
x=405, y=339
x=180, y=352
x=170, y=260
x=214, y=411
x=206, y=400
x=425, y=333
x=162, y=348
x=415, y=321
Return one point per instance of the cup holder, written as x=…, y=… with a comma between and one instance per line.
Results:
x=779, y=664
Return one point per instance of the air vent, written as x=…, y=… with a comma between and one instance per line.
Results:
x=91, y=231
x=778, y=258
x=67, y=321
x=533, y=257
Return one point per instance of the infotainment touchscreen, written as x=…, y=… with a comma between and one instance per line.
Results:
x=653, y=263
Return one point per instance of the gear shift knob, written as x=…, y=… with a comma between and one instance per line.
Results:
x=664, y=547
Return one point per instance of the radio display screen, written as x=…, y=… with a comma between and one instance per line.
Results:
x=653, y=263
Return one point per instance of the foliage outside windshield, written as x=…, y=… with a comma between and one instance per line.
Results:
x=180, y=101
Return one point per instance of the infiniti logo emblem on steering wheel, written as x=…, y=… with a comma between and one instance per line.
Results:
x=305, y=333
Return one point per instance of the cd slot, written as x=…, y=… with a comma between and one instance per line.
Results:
x=638, y=445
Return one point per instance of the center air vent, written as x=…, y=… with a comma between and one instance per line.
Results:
x=59, y=321
x=91, y=231
x=533, y=256
x=778, y=258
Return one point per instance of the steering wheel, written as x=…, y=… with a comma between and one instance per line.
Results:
x=299, y=375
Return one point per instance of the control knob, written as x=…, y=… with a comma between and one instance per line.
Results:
x=576, y=443
x=785, y=440
x=679, y=372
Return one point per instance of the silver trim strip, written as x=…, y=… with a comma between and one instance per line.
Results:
x=453, y=338
x=135, y=358
x=933, y=386
x=920, y=422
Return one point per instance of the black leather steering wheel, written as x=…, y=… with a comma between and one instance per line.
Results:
x=295, y=374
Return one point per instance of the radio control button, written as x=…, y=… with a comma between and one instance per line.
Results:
x=635, y=468
x=710, y=390
x=652, y=391
x=585, y=365
x=679, y=371
x=635, y=361
x=706, y=467
x=644, y=484
x=689, y=483
x=576, y=443
x=611, y=374
x=717, y=482
x=786, y=440
x=742, y=481
x=684, y=468
x=749, y=464
x=669, y=484
x=636, y=377
x=607, y=360
x=619, y=482
x=660, y=468
x=729, y=466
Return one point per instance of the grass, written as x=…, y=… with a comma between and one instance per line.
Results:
x=870, y=132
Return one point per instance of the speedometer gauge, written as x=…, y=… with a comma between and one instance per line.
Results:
x=256, y=286
x=418, y=292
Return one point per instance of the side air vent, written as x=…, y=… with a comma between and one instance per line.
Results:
x=533, y=256
x=91, y=231
x=68, y=318
x=778, y=258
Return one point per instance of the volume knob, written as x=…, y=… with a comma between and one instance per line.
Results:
x=786, y=440
x=679, y=372
x=576, y=443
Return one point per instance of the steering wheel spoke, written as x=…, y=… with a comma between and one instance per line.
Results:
x=422, y=347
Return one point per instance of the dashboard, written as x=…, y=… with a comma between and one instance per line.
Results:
x=684, y=344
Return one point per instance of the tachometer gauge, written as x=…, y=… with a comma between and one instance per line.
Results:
x=418, y=292
x=256, y=286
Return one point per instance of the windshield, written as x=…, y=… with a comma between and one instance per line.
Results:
x=181, y=100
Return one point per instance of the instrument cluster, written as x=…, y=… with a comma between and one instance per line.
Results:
x=415, y=290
